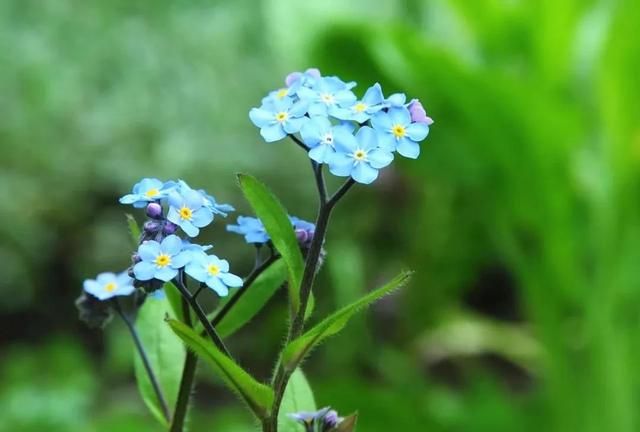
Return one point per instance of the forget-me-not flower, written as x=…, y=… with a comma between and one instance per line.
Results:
x=187, y=209
x=145, y=191
x=251, y=228
x=210, y=201
x=396, y=100
x=108, y=285
x=397, y=132
x=361, y=111
x=214, y=272
x=360, y=157
x=320, y=136
x=277, y=118
x=307, y=78
x=161, y=260
x=327, y=95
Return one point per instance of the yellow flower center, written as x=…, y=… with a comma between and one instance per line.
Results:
x=163, y=260
x=327, y=98
x=360, y=107
x=360, y=155
x=213, y=270
x=398, y=131
x=281, y=116
x=152, y=192
x=282, y=93
x=186, y=213
x=110, y=287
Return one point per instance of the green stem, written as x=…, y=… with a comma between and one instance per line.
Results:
x=186, y=382
x=145, y=360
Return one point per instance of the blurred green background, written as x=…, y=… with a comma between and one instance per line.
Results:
x=520, y=217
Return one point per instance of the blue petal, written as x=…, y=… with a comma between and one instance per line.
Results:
x=123, y=279
x=181, y=259
x=193, y=199
x=317, y=109
x=174, y=216
x=256, y=237
x=379, y=158
x=129, y=199
x=144, y=271
x=189, y=229
x=399, y=115
x=171, y=245
x=124, y=290
x=345, y=98
x=261, y=117
x=345, y=142
x=386, y=141
x=340, y=164
x=175, y=199
x=373, y=96
x=299, y=109
x=196, y=271
x=397, y=99
x=166, y=273
x=311, y=133
x=202, y=217
x=417, y=131
x=293, y=125
x=408, y=148
x=273, y=132
x=367, y=138
x=105, y=278
x=231, y=280
x=216, y=284
x=92, y=287
x=222, y=264
x=381, y=122
x=149, y=250
x=363, y=173
x=321, y=153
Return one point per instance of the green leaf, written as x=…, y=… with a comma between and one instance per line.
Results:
x=348, y=424
x=274, y=217
x=165, y=352
x=175, y=300
x=297, y=397
x=258, y=396
x=134, y=230
x=297, y=350
x=257, y=295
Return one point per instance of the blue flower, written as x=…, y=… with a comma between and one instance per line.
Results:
x=397, y=132
x=161, y=260
x=194, y=247
x=320, y=136
x=361, y=111
x=210, y=201
x=396, y=100
x=108, y=285
x=214, y=272
x=278, y=95
x=251, y=228
x=145, y=191
x=327, y=95
x=187, y=209
x=307, y=78
x=360, y=157
x=277, y=118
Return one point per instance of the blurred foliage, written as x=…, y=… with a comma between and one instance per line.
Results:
x=520, y=217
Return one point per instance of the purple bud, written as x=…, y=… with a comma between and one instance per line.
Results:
x=330, y=420
x=302, y=236
x=291, y=78
x=418, y=113
x=170, y=228
x=154, y=210
x=151, y=227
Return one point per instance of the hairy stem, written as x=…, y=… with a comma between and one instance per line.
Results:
x=145, y=360
x=282, y=375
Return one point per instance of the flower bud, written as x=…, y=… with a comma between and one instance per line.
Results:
x=418, y=114
x=151, y=227
x=95, y=313
x=169, y=228
x=330, y=420
x=154, y=210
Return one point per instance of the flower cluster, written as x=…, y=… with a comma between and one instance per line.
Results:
x=172, y=208
x=354, y=137
x=323, y=420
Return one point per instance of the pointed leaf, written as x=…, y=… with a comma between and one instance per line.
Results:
x=275, y=219
x=296, y=351
x=348, y=424
x=175, y=300
x=257, y=295
x=134, y=230
x=165, y=352
x=258, y=396
x=297, y=397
